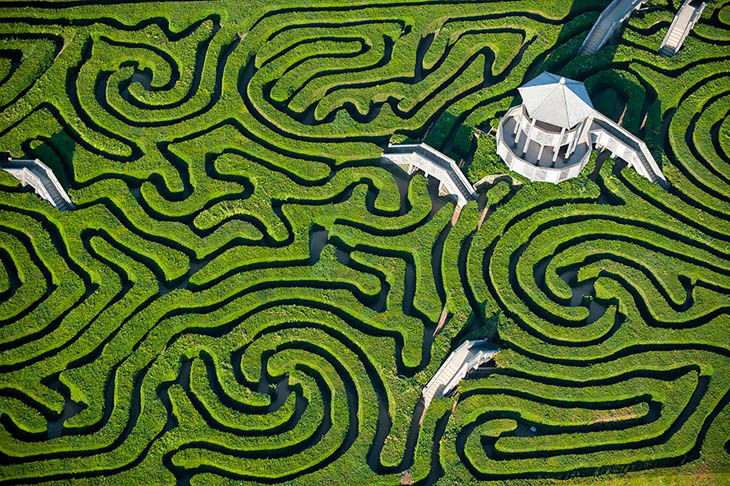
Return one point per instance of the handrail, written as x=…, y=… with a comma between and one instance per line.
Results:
x=40, y=177
x=459, y=369
x=609, y=10
x=694, y=17
x=54, y=180
x=441, y=161
x=577, y=161
x=640, y=157
x=33, y=180
x=639, y=146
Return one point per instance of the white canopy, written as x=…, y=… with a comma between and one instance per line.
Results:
x=556, y=100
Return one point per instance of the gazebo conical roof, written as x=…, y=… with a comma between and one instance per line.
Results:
x=556, y=100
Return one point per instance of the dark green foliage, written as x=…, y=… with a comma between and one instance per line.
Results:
x=245, y=294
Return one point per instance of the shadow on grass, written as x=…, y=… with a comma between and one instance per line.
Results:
x=477, y=328
x=459, y=142
x=56, y=152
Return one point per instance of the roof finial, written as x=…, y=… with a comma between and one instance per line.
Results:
x=562, y=80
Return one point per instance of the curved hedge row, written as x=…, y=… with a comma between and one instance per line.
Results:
x=246, y=293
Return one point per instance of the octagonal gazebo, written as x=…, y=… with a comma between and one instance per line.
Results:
x=550, y=136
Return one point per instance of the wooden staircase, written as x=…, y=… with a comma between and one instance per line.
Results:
x=687, y=16
x=607, y=24
x=41, y=178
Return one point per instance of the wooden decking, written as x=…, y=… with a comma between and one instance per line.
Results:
x=41, y=178
x=463, y=359
x=687, y=16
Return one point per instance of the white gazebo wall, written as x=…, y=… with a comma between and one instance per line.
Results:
x=535, y=172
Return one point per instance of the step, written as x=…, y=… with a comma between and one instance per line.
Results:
x=55, y=195
x=675, y=36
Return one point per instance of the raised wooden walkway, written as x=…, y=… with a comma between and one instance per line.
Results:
x=605, y=133
x=411, y=157
x=42, y=179
x=687, y=16
x=463, y=359
x=607, y=23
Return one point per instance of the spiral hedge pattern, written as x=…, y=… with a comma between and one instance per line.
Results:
x=245, y=294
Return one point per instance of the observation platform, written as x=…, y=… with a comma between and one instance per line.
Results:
x=540, y=162
x=536, y=163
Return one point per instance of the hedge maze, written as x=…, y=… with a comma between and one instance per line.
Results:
x=246, y=294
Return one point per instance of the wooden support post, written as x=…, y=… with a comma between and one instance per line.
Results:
x=574, y=143
x=518, y=130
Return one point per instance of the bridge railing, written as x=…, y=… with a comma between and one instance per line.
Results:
x=440, y=161
x=638, y=147
x=28, y=178
x=611, y=10
x=39, y=176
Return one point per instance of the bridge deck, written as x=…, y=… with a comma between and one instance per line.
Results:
x=463, y=359
x=436, y=164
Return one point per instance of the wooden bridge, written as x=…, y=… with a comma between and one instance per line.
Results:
x=605, y=133
x=686, y=18
x=41, y=178
x=463, y=359
x=411, y=157
x=607, y=24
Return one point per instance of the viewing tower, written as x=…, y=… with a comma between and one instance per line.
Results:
x=550, y=136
